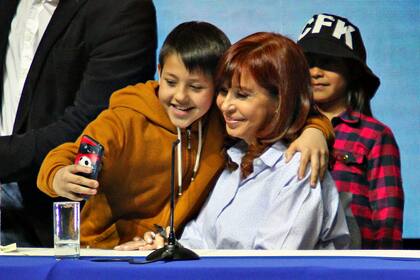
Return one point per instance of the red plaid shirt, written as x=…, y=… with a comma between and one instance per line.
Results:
x=367, y=166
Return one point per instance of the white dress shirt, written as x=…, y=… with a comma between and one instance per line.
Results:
x=270, y=209
x=27, y=29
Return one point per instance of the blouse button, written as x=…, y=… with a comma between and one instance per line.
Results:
x=346, y=157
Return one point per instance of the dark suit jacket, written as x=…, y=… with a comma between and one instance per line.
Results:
x=90, y=49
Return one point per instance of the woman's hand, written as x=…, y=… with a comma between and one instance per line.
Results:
x=67, y=183
x=313, y=147
x=150, y=241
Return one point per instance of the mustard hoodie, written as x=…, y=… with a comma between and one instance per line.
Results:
x=134, y=184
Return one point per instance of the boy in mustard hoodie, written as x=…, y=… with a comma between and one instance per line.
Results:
x=137, y=131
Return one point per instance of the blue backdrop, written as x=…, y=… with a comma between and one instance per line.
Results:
x=390, y=30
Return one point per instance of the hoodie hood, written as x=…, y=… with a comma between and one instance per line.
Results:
x=143, y=98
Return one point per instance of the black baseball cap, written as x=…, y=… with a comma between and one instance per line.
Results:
x=336, y=36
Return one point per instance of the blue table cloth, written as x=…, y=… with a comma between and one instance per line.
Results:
x=352, y=268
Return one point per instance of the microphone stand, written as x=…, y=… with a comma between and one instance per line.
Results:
x=173, y=250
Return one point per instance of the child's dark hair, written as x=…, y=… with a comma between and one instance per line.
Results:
x=358, y=93
x=199, y=45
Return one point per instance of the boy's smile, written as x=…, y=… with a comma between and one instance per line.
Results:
x=180, y=110
x=186, y=96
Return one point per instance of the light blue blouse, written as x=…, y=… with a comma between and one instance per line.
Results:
x=270, y=209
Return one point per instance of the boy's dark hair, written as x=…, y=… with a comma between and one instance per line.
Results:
x=199, y=45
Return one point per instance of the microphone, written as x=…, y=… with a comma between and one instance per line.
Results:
x=173, y=250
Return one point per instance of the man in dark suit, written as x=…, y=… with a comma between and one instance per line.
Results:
x=90, y=48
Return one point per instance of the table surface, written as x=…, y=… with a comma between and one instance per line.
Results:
x=37, y=263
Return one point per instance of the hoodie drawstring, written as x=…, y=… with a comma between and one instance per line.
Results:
x=197, y=159
x=179, y=159
x=200, y=146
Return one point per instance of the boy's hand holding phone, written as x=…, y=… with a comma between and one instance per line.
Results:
x=79, y=181
x=70, y=184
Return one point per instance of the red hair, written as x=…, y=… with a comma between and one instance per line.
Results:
x=277, y=64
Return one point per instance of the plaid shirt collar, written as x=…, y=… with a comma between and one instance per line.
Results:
x=349, y=116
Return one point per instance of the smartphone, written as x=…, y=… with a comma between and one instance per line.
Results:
x=90, y=154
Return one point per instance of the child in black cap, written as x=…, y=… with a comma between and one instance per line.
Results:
x=366, y=166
